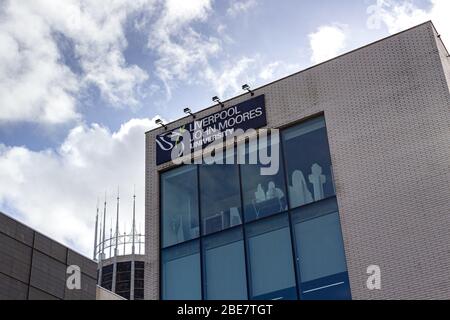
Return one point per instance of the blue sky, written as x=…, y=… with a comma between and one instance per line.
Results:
x=80, y=87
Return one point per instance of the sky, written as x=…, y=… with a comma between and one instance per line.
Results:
x=82, y=80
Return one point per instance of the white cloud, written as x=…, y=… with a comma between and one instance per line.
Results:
x=36, y=83
x=181, y=50
x=55, y=191
x=277, y=69
x=268, y=71
x=33, y=83
x=327, y=42
x=185, y=54
x=240, y=6
x=231, y=76
x=399, y=15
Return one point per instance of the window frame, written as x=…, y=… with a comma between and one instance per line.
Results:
x=245, y=222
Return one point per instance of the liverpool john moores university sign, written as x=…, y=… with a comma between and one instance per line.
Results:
x=250, y=114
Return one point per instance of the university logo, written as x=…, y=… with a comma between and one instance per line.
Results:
x=250, y=114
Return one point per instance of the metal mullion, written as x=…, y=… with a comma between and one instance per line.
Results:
x=244, y=234
x=291, y=228
x=200, y=236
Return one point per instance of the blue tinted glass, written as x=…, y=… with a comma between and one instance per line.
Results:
x=270, y=259
x=181, y=272
x=320, y=251
x=224, y=271
x=220, y=197
x=308, y=162
x=179, y=197
x=263, y=195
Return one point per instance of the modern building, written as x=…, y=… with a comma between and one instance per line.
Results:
x=120, y=257
x=363, y=180
x=124, y=276
x=34, y=267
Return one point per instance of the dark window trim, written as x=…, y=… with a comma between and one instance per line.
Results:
x=288, y=211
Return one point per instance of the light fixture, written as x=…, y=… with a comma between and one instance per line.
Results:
x=159, y=121
x=188, y=111
x=217, y=100
x=247, y=87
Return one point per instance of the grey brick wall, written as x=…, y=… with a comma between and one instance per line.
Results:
x=386, y=107
x=445, y=55
x=32, y=266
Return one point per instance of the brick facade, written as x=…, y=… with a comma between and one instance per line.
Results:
x=386, y=107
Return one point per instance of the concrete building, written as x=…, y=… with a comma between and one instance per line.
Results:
x=34, y=267
x=364, y=180
x=120, y=258
x=128, y=280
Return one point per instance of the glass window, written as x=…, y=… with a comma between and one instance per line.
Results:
x=263, y=195
x=224, y=271
x=308, y=162
x=123, y=266
x=181, y=272
x=320, y=251
x=270, y=259
x=139, y=294
x=179, y=205
x=220, y=197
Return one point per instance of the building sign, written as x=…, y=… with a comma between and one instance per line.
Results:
x=250, y=114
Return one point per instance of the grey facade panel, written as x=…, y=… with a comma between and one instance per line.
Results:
x=15, y=258
x=47, y=264
x=386, y=107
x=48, y=275
x=87, y=291
x=12, y=289
x=50, y=247
x=36, y=294
x=87, y=266
x=16, y=230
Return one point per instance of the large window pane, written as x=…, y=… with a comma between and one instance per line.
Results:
x=270, y=259
x=264, y=195
x=320, y=251
x=179, y=205
x=308, y=162
x=220, y=197
x=181, y=272
x=224, y=270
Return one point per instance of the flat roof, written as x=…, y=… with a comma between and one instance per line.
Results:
x=304, y=70
x=15, y=220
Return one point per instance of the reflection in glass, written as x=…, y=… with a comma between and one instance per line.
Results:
x=263, y=195
x=320, y=251
x=224, y=266
x=270, y=259
x=181, y=272
x=220, y=197
x=308, y=162
x=218, y=264
x=179, y=205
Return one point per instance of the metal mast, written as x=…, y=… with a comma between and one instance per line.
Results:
x=124, y=238
x=100, y=240
x=116, y=251
x=104, y=227
x=96, y=231
x=140, y=236
x=132, y=248
x=134, y=221
x=110, y=238
x=102, y=237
